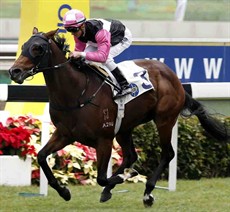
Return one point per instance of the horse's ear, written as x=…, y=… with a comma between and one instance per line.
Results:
x=51, y=33
x=35, y=30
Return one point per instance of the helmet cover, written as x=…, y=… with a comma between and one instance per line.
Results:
x=73, y=18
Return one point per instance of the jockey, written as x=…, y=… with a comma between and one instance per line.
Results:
x=99, y=40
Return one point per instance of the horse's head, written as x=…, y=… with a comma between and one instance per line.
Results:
x=34, y=56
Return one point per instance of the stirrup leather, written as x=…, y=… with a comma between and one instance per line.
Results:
x=122, y=93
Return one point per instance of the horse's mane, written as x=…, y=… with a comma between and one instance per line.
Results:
x=60, y=41
x=80, y=64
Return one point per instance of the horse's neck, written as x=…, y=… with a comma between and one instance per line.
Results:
x=64, y=83
x=64, y=78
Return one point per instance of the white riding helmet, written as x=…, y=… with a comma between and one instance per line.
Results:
x=73, y=18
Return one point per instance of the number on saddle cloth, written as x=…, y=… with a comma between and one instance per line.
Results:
x=137, y=77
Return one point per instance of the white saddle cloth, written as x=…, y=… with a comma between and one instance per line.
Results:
x=138, y=78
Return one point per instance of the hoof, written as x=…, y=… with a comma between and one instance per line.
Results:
x=65, y=194
x=134, y=173
x=148, y=200
x=105, y=196
x=129, y=173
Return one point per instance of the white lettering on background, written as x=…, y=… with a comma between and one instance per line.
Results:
x=212, y=67
x=160, y=59
x=183, y=66
x=154, y=58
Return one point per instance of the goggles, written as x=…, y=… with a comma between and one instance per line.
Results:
x=72, y=29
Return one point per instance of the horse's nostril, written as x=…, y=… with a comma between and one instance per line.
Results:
x=16, y=74
x=16, y=71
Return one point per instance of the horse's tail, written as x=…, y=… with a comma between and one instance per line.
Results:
x=213, y=126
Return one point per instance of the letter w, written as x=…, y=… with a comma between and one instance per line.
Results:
x=183, y=67
x=212, y=67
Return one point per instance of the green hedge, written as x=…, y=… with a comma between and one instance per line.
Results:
x=199, y=155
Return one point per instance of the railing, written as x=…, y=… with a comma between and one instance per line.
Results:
x=7, y=55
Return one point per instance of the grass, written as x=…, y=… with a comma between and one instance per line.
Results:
x=206, y=195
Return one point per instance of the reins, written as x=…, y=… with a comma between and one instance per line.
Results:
x=99, y=73
x=80, y=104
x=36, y=69
x=104, y=77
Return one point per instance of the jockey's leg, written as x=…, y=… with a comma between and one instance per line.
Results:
x=124, y=85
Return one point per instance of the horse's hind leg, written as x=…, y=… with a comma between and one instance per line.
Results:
x=167, y=155
x=129, y=157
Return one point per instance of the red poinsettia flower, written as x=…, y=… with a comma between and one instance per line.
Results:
x=15, y=139
x=89, y=152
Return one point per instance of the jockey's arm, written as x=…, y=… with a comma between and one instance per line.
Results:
x=79, y=46
x=102, y=38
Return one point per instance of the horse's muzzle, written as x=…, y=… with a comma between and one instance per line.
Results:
x=16, y=74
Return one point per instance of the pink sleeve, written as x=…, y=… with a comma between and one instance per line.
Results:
x=103, y=42
x=79, y=46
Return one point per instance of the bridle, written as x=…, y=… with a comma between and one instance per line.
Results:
x=38, y=69
x=45, y=57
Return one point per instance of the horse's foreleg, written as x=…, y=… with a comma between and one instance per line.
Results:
x=167, y=155
x=103, y=150
x=55, y=143
x=129, y=157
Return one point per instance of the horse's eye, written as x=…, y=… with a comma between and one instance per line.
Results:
x=36, y=50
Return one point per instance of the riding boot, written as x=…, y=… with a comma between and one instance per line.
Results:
x=124, y=85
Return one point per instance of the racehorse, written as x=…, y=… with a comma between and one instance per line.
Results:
x=79, y=99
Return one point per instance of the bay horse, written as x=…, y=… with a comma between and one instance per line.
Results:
x=79, y=98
